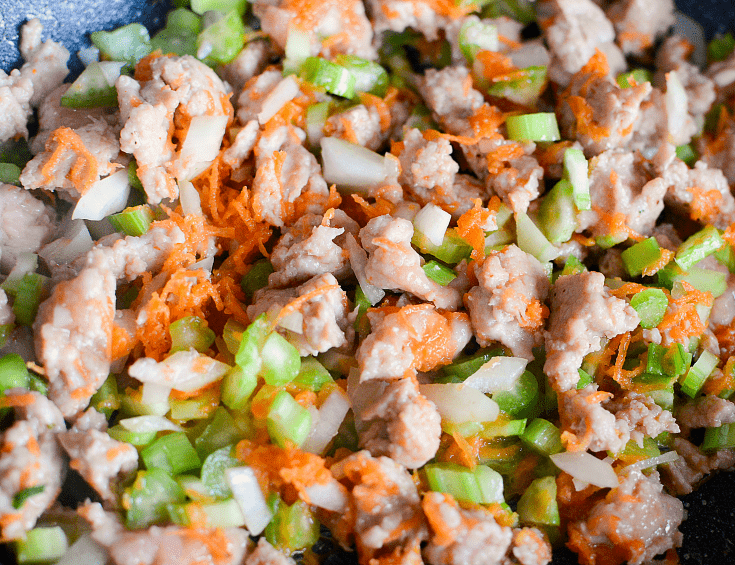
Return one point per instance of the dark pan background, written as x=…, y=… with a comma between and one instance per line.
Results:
x=709, y=531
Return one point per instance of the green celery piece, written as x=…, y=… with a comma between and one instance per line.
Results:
x=467, y=365
x=248, y=353
x=42, y=545
x=190, y=332
x=238, y=385
x=541, y=126
x=676, y=361
x=172, y=453
x=334, y=78
x=698, y=246
x=543, y=437
x=572, y=266
x=221, y=431
x=584, y=379
x=440, y=274
x=489, y=430
x=287, y=420
x=720, y=47
x=687, y=154
x=557, y=215
x=107, y=399
x=361, y=324
x=654, y=363
x=223, y=40
x=452, y=250
x=10, y=173
x=312, y=375
x=538, y=505
x=640, y=256
x=201, y=6
x=634, y=77
x=147, y=497
x=21, y=496
x=257, y=277
x=663, y=397
x=281, y=360
x=726, y=256
x=651, y=305
x=632, y=449
x=523, y=11
x=28, y=297
x=138, y=439
x=698, y=373
x=532, y=240
x=522, y=401
x=293, y=528
x=523, y=86
x=134, y=221
x=5, y=331
x=133, y=176
x=475, y=36
x=13, y=372
x=177, y=41
x=213, y=471
x=206, y=514
x=722, y=437
x=369, y=76
x=94, y=87
x=129, y=43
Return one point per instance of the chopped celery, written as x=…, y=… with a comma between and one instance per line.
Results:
x=333, y=77
x=201, y=6
x=557, y=214
x=489, y=430
x=362, y=323
x=634, y=77
x=532, y=240
x=219, y=514
x=651, y=305
x=146, y=499
x=133, y=179
x=523, y=11
x=698, y=246
x=369, y=76
x=106, y=400
x=722, y=437
x=543, y=437
x=584, y=379
x=440, y=274
x=572, y=266
x=475, y=36
x=654, y=363
x=316, y=118
x=312, y=374
x=94, y=87
x=705, y=280
x=663, y=397
x=232, y=335
x=465, y=366
x=533, y=127
x=21, y=496
x=223, y=40
x=10, y=173
x=452, y=250
x=133, y=221
x=293, y=528
x=698, y=373
x=220, y=432
x=172, y=453
x=726, y=256
x=287, y=420
x=213, y=471
x=482, y=485
x=134, y=438
x=281, y=361
x=5, y=331
x=687, y=154
x=720, y=47
x=676, y=361
x=13, y=372
x=576, y=170
x=538, y=505
x=522, y=400
x=634, y=452
x=238, y=385
x=42, y=545
x=248, y=353
x=198, y=407
x=523, y=86
x=190, y=332
x=27, y=293
x=257, y=277
x=642, y=256
x=298, y=49
x=129, y=43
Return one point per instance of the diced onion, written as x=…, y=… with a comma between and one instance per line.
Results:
x=249, y=496
x=676, y=101
x=143, y=424
x=206, y=264
x=668, y=457
x=185, y=371
x=351, y=165
x=201, y=146
x=105, y=197
x=433, y=222
x=84, y=550
x=458, y=403
x=330, y=496
x=326, y=426
x=294, y=322
x=498, y=374
x=154, y=393
x=358, y=260
x=530, y=54
x=25, y=262
x=189, y=197
x=75, y=242
x=586, y=467
x=285, y=91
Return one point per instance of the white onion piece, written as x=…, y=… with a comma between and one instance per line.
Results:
x=676, y=101
x=458, y=403
x=358, y=261
x=105, y=197
x=530, y=54
x=74, y=243
x=249, y=496
x=205, y=264
x=294, y=322
x=143, y=424
x=668, y=457
x=433, y=222
x=498, y=374
x=154, y=393
x=201, y=146
x=189, y=197
x=693, y=31
x=25, y=262
x=284, y=92
x=111, y=70
x=84, y=550
x=351, y=165
x=185, y=371
x=331, y=414
x=331, y=496
x=586, y=467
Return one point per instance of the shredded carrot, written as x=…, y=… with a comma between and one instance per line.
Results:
x=534, y=316
x=586, y=124
x=494, y=65
x=681, y=320
x=705, y=203
x=500, y=155
x=84, y=171
x=17, y=400
x=485, y=121
x=471, y=226
x=381, y=207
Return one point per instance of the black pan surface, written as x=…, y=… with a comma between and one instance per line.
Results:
x=709, y=531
